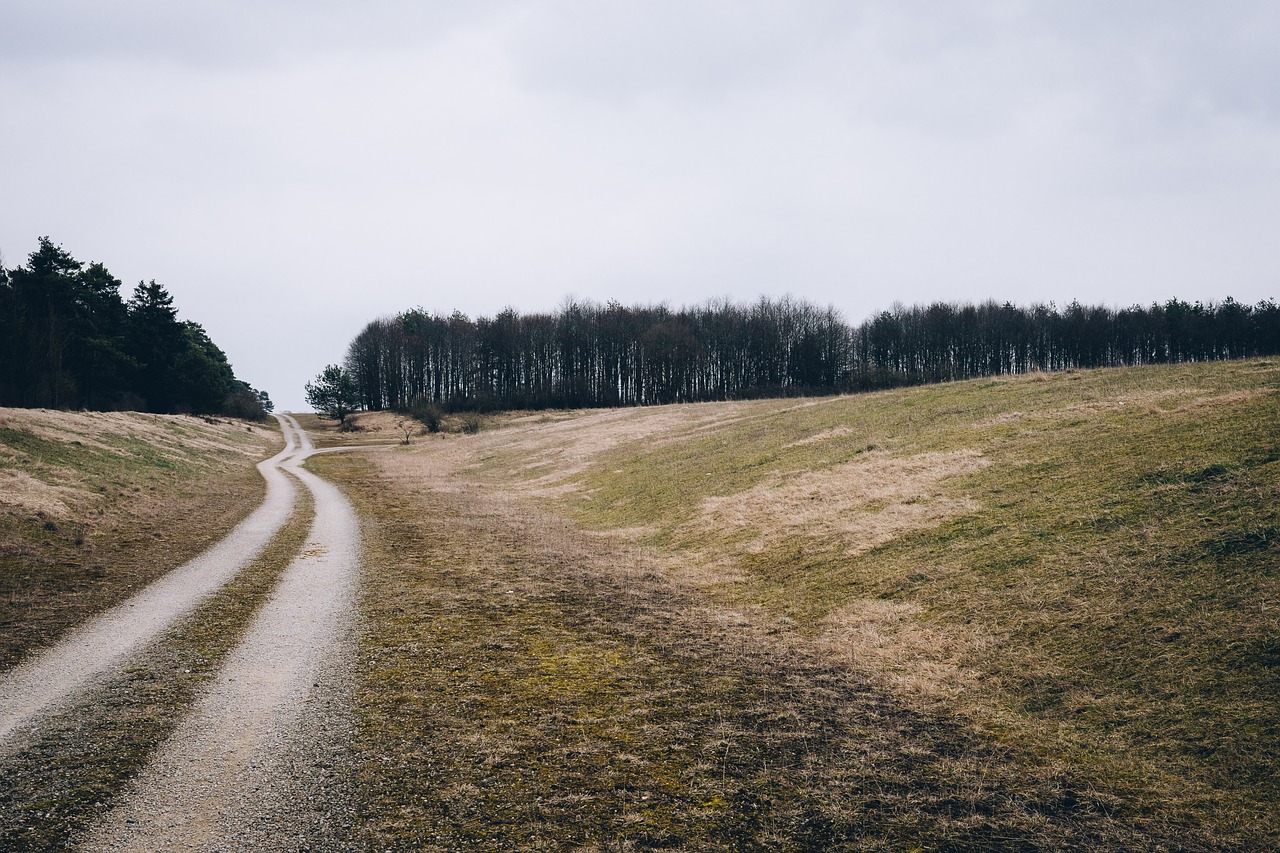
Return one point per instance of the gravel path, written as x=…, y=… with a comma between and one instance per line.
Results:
x=103, y=645
x=258, y=763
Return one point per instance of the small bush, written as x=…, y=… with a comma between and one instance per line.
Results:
x=246, y=405
x=472, y=422
x=427, y=412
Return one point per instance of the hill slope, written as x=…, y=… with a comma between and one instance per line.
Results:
x=1059, y=591
x=95, y=505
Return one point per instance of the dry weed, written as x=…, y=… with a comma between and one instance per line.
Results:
x=825, y=435
x=861, y=504
x=549, y=452
x=20, y=491
x=926, y=662
x=1231, y=398
x=168, y=433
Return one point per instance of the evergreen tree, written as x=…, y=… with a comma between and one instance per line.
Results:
x=44, y=304
x=333, y=394
x=201, y=378
x=102, y=369
x=68, y=340
x=155, y=340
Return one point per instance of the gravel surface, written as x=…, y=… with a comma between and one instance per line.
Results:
x=260, y=761
x=104, y=643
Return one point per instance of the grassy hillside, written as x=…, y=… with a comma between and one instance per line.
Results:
x=95, y=505
x=1061, y=590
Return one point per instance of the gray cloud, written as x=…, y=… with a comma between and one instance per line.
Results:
x=223, y=33
x=325, y=163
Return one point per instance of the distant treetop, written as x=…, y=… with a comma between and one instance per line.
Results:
x=589, y=355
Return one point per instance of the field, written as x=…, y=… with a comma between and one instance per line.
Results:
x=1038, y=612
x=1024, y=612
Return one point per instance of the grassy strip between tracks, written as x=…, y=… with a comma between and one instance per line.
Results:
x=82, y=757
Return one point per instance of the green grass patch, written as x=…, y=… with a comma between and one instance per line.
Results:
x=20, y=443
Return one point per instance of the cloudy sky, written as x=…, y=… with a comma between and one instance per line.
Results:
x=291, y=169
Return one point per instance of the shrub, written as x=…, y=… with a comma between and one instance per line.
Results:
x=244, y=404
x=429, y=413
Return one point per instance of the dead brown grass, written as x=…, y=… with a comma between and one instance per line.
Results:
x=96, y=505
x=860, y=504
x=547, y=453
x=30, y=496
x=825, y=435
x=363, y=428
x=930, y=664
x=104, y=430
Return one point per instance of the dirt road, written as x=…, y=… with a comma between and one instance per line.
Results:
x=104, y=644
x=253, y=765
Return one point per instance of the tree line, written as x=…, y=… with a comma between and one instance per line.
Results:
x=69, y=340
x=591, y=355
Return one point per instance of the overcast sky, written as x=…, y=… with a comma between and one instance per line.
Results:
x=291, y=170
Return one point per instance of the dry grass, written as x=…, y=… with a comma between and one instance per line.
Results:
x=825, y=435
x=1074, y=572
x=524, y=687
x=94, y=506
x=27, y=495
x=361, y=428
x=106, y=430
x=860, y=504
x=548, y=452
x=928, y=664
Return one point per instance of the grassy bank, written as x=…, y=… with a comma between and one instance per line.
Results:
x=94, y=506
x=1082, y=565
x=523, y=687
x=1060, y=589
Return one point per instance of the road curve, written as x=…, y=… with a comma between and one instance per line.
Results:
x=240, y=772
x=103, y=644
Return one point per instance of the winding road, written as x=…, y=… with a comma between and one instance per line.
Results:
x=249, y=750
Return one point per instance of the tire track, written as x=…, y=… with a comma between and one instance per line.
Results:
x=254, y=763
x=101, y=647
